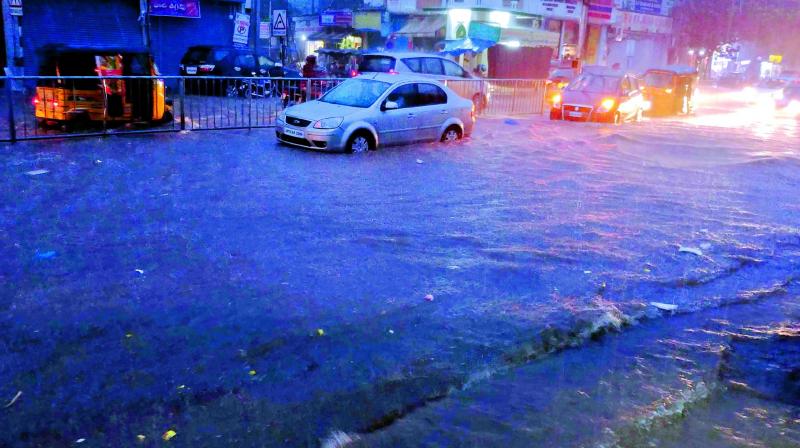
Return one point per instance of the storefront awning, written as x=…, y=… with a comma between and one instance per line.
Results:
x=427, y=26
x=461, y=46
x=334, y=36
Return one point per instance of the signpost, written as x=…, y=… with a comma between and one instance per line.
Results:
x=241, y=28
x=280, y=24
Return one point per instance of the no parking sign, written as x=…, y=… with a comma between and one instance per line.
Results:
x=241, y=28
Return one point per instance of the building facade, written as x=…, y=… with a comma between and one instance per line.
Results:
x=166, y=27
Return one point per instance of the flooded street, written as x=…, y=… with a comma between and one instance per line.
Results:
x=495, y=292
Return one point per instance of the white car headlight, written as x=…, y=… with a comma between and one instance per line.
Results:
x=329, y=123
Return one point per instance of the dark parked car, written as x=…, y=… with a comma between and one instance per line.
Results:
x=607, y=96
x=204, y=61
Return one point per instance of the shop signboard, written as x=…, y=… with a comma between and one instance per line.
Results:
x=601, y=11
x=175, y=8
x=645, y=23
x=241, y=28
x=15, y=7
x=647, y=6
x=263, y=30
x=557, y=9
x=342, y=17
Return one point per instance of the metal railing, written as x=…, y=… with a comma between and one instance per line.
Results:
x=503, y=96
x=45, y=107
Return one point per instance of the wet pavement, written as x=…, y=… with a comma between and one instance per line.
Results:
x=242, y=293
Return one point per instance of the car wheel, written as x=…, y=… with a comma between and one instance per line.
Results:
x=479, y=102
x=360, y=142
x=451, y=134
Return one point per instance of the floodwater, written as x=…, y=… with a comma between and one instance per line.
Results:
x=241, y=293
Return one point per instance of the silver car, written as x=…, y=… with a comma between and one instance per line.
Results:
x=430, y=66
x=377, y=109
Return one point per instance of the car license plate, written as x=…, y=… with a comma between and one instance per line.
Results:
x=294, y=133
x=191, y=70
x=575, y=114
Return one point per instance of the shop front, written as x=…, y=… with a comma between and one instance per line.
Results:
x=492, y=42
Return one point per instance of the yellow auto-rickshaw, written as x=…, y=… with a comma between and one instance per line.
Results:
x=670, y=90
x=64, y=100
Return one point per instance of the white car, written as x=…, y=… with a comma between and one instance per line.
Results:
x=430, y=66
x=375, y=110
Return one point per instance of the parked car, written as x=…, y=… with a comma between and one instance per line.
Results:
x=606, y=96
x=377, y=109
x=431, y=66
x=203, y=61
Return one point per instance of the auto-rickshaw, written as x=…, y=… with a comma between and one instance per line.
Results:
x=65, y=101
x=670, y=90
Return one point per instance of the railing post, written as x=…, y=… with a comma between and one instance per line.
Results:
x=250, y=104
x=12, y=126
x=105, y=104
x=308, y=90
x=182, y=95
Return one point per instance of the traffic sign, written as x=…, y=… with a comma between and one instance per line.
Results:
x=279, y=22
x=241, y=29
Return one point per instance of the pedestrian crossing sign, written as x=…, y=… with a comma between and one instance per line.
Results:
x=279, y=23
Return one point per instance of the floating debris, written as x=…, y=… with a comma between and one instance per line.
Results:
x=140, y=437
x=664, y=306
x=320, y=332
x=690, y=250
x=13, y=400
x=391, y=331
x=46, y=255
x=81, y=440
x=252, y=373
x=139, y=271
x=429, y=297
x=169, y=434
x=420, y=162
x=705, y=246
x=36, y=172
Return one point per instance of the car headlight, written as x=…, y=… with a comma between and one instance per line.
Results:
x=607, y=104
x=556, y=100
x=328, y=123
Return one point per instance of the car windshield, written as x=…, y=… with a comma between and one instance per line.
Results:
x=657, y=79
x=356, y=93
x=590, y=82
x=382, y=64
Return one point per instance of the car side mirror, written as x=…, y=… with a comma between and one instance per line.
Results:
x=390, y=105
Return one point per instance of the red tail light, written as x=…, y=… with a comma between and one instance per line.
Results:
x=393, y=72
x=353, y=73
